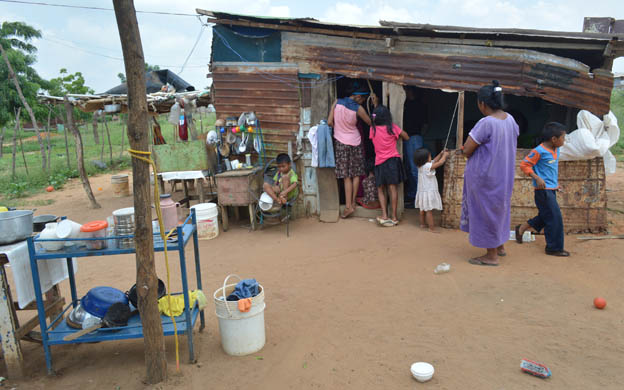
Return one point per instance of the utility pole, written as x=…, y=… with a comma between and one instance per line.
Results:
x=138, y=137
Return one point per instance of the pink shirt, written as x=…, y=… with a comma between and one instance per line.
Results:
x=385, y=144
x=345, y=124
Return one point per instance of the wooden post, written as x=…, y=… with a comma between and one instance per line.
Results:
x=17, y=119
x=138, y=137
x=11, y=349
x=13, y=76
x=65, y=130
x=123, y=138
x=48, y=139
x=2, y=140
x=19, y=127
x=96, y=136
x=460, y=121
x=69, y=110
x=103, y=143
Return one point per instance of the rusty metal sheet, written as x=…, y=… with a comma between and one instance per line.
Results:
x=520, y=72
x=272, y=92
x=583, y=199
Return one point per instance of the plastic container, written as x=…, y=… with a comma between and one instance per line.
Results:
x=120, y=186
x=50, y=233
x=266, y=202
x=69, y=229
x=422, y=371
x=95, y=229
x=442, y=268
x=169, y=210
x=241, y=333
x=207, y=220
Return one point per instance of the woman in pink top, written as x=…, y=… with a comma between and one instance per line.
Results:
x=348, y=149
x=388, y=165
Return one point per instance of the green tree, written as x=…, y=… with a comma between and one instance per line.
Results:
x=21, y=79
x=148, y=68
x=68, y=83
x=15, y=38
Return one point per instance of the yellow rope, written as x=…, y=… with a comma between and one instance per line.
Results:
x=139, y=155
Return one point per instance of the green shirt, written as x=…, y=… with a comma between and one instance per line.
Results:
x=293, y=179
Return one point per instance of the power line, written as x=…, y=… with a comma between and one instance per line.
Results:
x=201, y=31
x=107, y=56
x=92, y=8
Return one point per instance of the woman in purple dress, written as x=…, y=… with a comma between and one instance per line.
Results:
x=489, y=176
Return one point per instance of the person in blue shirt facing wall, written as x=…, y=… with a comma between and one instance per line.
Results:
x=542, y=164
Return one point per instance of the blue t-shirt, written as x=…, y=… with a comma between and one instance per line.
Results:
x=545, y=164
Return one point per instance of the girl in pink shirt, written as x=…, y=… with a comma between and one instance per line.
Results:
x=388, y=165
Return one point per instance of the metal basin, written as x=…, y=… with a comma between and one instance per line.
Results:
x=15, y=226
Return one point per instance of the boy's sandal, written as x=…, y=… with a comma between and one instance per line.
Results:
x=347, y=213
x=518, y=235
x=561, y=253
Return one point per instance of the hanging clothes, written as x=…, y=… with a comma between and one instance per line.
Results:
x=325, y=146
x=312, y=137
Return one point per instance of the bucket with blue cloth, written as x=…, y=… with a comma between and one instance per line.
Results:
x=240, y=311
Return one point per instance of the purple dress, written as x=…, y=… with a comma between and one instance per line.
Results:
x=488, y=182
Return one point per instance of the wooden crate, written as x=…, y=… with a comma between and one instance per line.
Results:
x=239, y=187
x=583, y=200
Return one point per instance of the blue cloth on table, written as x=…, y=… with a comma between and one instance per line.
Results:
x=246, y=288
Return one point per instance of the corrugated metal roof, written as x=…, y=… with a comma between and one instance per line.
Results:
x=272, y=92
x=521, y=72
x=390, y=28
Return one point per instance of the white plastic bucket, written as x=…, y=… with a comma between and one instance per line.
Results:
x=207, y=220
x=241, y=333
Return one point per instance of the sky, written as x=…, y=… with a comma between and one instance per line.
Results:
x=87, y=41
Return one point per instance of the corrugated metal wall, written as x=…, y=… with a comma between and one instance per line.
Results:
x=583, y=199
x=272, y=92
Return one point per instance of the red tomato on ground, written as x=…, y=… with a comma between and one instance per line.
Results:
x=600, y=303
x=50, y=189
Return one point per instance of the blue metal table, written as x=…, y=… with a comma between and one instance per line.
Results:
x=53, y=333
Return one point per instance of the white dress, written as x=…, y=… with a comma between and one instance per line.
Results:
x=427, y=196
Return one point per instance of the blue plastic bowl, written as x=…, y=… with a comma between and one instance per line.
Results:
x=99, y=299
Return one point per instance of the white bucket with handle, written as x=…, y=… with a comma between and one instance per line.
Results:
x=241, y=333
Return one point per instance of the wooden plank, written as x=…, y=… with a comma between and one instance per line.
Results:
x=34, y=322
x=11, y=348
x=329, y=201
x=460, y=121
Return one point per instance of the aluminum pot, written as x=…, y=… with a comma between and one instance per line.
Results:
x=15, y=226
x=40, y=221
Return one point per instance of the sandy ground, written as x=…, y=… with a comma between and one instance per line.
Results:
x=352, y=305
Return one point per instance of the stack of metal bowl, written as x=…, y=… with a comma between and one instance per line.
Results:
x=124, y=226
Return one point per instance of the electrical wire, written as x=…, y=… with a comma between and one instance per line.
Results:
x=92, y=8
x=72, y=46
x=201, y=31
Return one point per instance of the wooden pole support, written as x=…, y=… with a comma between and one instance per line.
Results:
x=138, y=137
x=460, y=121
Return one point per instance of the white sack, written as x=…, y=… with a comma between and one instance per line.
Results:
x=594, y=139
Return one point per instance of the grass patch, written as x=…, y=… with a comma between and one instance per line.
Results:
x=36, y=180
x=617, y=106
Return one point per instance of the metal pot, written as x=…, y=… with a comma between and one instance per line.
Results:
x=132, y=293
x=40, y=221
x=15, y=226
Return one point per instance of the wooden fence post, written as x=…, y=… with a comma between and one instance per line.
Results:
x=460, y=121
x=69, y=110
x=138, y=137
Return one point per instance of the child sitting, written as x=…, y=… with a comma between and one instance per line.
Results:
x=284, y=187
x=542, y=164
x=427, y=195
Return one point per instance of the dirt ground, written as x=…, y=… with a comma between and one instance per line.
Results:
x=352, y=305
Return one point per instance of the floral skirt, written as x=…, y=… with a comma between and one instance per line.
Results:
x=349, y=160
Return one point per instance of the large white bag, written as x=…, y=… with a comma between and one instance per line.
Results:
x=593, y=138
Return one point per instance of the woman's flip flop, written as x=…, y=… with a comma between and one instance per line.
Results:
x=477, y=261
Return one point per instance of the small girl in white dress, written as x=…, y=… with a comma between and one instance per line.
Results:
x=427, y=195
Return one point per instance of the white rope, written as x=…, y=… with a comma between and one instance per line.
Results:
x=451, y=124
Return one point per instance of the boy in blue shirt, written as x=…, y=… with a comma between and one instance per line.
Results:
x=542, y=164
